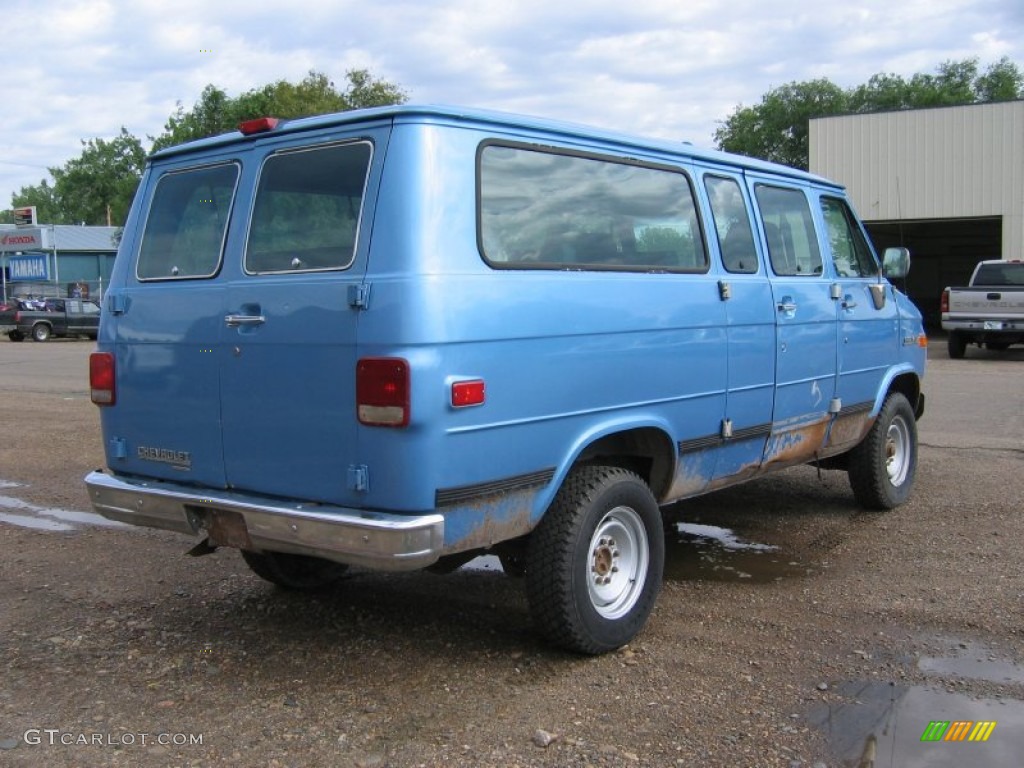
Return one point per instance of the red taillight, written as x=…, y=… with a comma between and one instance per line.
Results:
x=944, y=302
x=382, y=391
x=259, y=125
x=101, y=378
x=468, y=393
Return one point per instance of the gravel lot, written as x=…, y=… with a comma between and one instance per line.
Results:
x=113, y=637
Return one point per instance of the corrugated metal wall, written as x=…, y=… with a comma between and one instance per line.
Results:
x=950, y=162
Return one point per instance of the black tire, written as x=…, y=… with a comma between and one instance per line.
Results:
x=294, y=572
x=956, y=345
x=41, y=332
x=15, y=335
x=883, y=465
x=580, y=598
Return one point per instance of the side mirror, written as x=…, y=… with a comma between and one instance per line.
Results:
x=896, y=263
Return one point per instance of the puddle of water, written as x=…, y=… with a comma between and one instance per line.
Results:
x=707, y=552
x=37, y=523
x=35, y=516
x=975, y=662
x=484, y=563
x=882, y=725
x=9, y=484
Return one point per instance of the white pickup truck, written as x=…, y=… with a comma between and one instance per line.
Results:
x=989, y=311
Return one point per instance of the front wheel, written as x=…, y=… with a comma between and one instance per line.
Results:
x=883, y=465
x=40, y=332
x=295, y=572
x=594, y=563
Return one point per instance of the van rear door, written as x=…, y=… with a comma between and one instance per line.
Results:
x=291, y=314
x=164, y=321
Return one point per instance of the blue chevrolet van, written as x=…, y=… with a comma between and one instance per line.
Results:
x=401, y=337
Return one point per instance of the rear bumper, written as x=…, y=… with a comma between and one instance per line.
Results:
x=357, y=537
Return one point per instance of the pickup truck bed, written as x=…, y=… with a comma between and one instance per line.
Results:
x=60, y=317
x=989, y=311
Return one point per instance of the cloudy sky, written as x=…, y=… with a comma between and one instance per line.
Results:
x=77, y=69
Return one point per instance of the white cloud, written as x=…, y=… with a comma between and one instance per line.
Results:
x=79, y=69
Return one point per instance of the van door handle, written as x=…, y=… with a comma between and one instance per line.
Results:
x=848, y=302
x=234, y=321
x=786, y=305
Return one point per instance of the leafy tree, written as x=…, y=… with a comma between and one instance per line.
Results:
x=777, y=128
x=315, y=94
x=97, y=186
x=94, y=188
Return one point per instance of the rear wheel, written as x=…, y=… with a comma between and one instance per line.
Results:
x=297, y=572
x=15, y=335
x=40, y=332
x=956, y=345
x=883, y=465
x=594, y=564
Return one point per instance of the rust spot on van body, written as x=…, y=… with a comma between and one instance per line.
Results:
x=848, y=431
x=487, y=521
x=796, y=446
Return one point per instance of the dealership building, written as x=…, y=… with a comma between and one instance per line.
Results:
x=56, y=260
x=947, y=183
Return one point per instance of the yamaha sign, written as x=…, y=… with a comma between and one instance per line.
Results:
x=35, y=267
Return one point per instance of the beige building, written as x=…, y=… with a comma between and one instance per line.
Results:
x=948, y=183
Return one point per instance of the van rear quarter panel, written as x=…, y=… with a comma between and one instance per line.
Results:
x=566, y=356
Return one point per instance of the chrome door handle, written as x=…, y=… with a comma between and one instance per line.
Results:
x=786, y=306
x=234, y=321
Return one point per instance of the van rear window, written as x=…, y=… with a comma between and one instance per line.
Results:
x=548, y=210
x=306, y=214
x=187, y=223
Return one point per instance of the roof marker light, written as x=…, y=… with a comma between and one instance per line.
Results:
x=258, y=125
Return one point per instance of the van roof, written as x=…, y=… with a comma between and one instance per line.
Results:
x=413, y=113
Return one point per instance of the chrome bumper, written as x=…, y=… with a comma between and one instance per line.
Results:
x=375, y=540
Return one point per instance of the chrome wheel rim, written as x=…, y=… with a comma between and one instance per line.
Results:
x=897, y=451
x=617, y=563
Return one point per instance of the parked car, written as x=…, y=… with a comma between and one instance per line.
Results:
x=989, y=310
x=52, y=317
x=406, y=336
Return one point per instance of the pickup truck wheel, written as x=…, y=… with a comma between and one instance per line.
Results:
x=40, y=332
x=883, y=465
x=15, y=335
x=594, y=563
x=956, y=345
x=295, y=572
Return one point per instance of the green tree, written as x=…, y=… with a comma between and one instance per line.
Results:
x=96, y=187
x=315, y=94
x=777, y=128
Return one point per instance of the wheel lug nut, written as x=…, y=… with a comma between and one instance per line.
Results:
x=615, y=569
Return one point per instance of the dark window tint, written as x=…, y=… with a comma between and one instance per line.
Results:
x=187, y=223
x=1000, y=274
x=307, y=209
x=547, y=210
x=850, y=251
x=732, y=225
x=789, y=231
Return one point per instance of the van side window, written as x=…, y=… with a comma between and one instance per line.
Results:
x=187, y=223
x=732, y=225
x=850, y=251
x=307, y=208
x=789, y=231
x=546, y=210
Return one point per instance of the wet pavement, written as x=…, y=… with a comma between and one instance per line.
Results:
x=885, y=725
